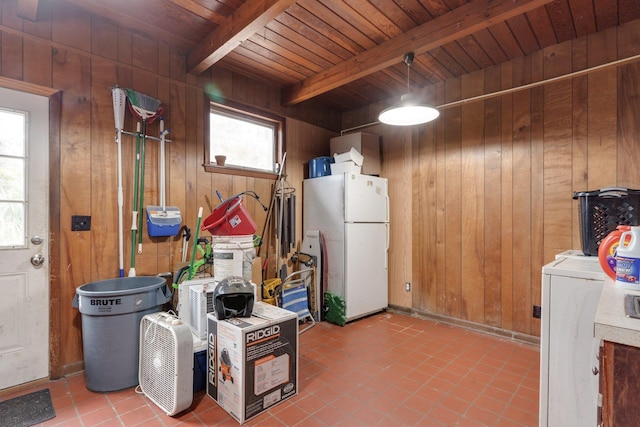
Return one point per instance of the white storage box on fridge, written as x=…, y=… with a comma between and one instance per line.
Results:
x=367, y=144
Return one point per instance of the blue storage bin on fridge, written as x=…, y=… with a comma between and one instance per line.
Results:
x=320, y=166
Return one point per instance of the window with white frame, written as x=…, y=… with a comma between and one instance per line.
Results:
x=249, y=141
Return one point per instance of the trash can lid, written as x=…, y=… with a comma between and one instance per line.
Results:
x=121, y=286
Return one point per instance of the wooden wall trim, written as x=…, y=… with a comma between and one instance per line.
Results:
x=21, y=86
x=55, y=327
x=472, y=326
x=55, y=109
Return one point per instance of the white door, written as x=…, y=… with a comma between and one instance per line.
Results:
x=24, y=237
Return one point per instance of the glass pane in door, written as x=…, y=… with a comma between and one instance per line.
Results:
x=13, y=178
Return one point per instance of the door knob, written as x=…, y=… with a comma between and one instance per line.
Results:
x=37, y=260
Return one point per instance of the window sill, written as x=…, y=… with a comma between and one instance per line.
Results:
x=235, y=170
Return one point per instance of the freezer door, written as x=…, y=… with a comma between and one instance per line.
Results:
x=323, y=202
x=366, y=198
x=366, y=269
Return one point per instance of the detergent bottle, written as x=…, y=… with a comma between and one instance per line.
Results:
x=607, y=250
x=628, y=259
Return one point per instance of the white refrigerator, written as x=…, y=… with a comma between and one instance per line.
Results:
x=352, y=212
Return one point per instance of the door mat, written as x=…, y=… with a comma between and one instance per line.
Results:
x=27, y=410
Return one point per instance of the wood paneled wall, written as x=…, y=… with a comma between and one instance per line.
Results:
x=82, y=58
x=482, y=197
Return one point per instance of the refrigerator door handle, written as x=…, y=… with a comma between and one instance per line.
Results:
x=388, y=208
x=386, y=253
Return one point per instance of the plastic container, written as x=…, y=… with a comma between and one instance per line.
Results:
x=608, y=249
x=233, y=256
x=601, y=211
x=111, y=313
x=230, y=218
x=628, y=260
x=320, y=166
x=163, y=222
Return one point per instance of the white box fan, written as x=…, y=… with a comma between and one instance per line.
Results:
x=195, y=300
x=165, y=366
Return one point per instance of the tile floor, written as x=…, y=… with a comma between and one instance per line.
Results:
x=385, y=370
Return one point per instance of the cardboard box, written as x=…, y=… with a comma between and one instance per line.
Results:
x=252, y=363
x=352, y=155
x=368, y=144
x=340, y=168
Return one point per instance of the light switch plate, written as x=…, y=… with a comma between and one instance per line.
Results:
x=80, y=223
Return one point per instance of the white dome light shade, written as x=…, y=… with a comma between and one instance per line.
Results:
x=408, y=113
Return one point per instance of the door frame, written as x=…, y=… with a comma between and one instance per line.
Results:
x=55, y=107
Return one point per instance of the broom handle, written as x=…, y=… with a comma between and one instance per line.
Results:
x=195, y=244
x=120, y=206
x=162, y=166
x=134, y=213
x=141, y=189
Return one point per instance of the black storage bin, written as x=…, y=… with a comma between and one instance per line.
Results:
x=602, y=210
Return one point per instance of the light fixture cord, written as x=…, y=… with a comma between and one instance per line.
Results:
x=408, y=71
x=408, y=59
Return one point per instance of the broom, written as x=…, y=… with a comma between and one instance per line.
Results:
x=146, y=109
x=119, y=102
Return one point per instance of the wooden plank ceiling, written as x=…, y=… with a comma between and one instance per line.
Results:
x=349, y=53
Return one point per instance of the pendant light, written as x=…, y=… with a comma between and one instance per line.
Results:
x=408, y=111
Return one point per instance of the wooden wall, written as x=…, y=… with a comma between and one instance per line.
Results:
x=82, y=58
x=482, y=197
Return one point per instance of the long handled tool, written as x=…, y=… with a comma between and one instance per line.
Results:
x=193, y=253
x=134, y=212
x=163, y=220
x=146, y=109
x=119, y=104
x=267, y=221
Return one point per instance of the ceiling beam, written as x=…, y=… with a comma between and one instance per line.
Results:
x=28, y=9
x=247, y=20
x=460, y=22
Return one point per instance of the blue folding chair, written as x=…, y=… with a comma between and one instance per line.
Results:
x=294, y=296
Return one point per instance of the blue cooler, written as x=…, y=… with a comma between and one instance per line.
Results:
x=320, y=166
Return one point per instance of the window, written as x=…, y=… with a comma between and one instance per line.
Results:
x=13, y=161
x=251, y=142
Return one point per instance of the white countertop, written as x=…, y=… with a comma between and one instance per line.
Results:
x=611, y=323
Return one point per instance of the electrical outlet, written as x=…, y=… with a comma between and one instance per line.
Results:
x=407, y=286
x=537, y=311
x=80, y=223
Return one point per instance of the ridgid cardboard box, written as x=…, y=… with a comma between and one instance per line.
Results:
x=252, y=363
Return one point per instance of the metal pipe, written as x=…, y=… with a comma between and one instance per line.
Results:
x=155, y=138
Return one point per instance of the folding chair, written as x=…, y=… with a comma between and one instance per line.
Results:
x=293, y=296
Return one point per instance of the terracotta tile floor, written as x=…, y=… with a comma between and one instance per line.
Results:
x=385, y=370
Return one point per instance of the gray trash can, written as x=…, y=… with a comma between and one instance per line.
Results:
x=111, y=313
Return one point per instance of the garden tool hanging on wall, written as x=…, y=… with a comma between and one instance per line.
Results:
x=145, y=109
x=286, y=219
x=163, y=220
x=119, y=104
